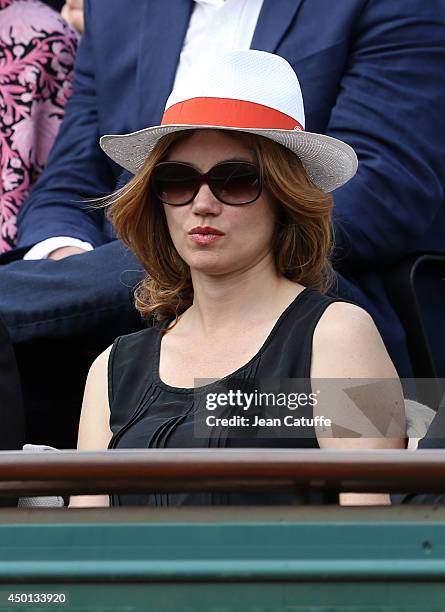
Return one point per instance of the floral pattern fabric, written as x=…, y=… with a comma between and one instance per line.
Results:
x=37, y=50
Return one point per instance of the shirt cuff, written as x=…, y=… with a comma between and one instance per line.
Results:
x=41, y=250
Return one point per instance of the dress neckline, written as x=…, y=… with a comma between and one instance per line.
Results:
x=156, y=360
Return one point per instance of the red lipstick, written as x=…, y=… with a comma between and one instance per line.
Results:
x=199, y=229
x=205, y=234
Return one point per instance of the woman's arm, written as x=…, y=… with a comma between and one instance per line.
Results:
x=94, y=428
x=348, y=346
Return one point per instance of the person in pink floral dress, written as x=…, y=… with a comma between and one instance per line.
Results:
x=37, y=50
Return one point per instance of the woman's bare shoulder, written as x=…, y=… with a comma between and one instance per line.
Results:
x=347, y=343
x=341, y=316
x=94, y=431
x=100, y=364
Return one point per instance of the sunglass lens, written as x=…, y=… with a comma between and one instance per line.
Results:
x=235, y=182
x=174, y=183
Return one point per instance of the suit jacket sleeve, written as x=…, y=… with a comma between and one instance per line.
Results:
x=76, y=169
x=390, y=109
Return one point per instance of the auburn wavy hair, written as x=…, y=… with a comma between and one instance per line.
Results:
x=302, y=240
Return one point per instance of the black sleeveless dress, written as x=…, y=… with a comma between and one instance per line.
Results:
x=147, y=413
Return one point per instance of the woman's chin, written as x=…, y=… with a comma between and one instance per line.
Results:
x=208, y=263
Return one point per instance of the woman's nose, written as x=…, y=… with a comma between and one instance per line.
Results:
x=205, y=201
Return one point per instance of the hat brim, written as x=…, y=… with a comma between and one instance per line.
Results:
x=329, y=162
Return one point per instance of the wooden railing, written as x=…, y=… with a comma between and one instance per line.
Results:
x=128, y=471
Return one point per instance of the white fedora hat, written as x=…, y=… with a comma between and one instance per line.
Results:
x=248, y=91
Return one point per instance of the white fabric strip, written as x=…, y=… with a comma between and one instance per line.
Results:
x=42, y=249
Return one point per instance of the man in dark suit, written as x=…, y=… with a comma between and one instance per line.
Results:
x=372, y=75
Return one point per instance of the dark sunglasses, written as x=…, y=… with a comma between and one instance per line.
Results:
x=231, y=182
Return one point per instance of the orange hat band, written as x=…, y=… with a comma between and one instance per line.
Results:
x=230, y=113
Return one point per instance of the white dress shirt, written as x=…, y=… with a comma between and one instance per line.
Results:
x=215, y=26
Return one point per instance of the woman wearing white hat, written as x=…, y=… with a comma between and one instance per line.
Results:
x=230, y=213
